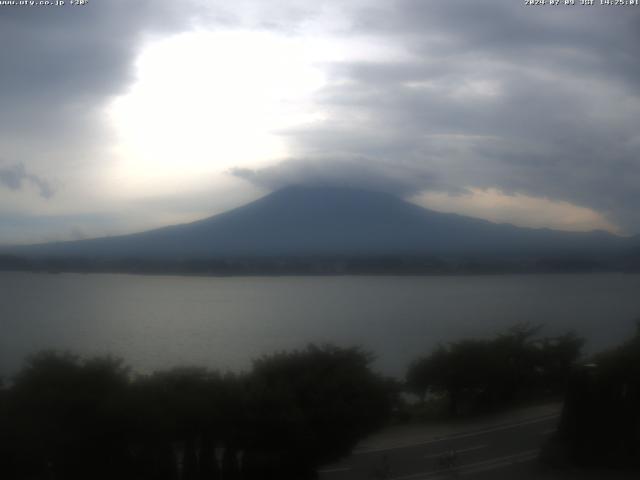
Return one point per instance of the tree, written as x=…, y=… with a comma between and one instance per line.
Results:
x=312, y=406
x=63, y=417
x=183, y=413
x=480, y=374
x=600, y=423
x=69, y=418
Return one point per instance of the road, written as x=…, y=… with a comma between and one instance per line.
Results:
x=498, y=452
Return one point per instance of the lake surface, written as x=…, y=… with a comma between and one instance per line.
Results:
x=163, y=321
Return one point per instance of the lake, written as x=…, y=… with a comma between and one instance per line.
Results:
x=155, y=322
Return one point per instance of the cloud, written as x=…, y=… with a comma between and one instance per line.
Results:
x=517, y=209
x=345, y=171
x=14, y=177
x=447, y=97
x=64, y=64
x=490, y=94
x=61, y=66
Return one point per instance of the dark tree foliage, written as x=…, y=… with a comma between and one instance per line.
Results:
x=600, y=423
x=178, y=417
x=62, y=417
x=482, y=374
x=314, y=405
x=68, y=418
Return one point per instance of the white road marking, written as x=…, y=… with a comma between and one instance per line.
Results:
x=499, y=462
x=475, y=467
x=335, y=470
x=470, y=449
x=458, y=436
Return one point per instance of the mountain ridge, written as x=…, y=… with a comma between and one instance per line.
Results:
x=325, y=221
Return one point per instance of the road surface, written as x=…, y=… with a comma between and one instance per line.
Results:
x=505, y=449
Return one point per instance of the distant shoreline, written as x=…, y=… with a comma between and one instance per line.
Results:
x=322, y=266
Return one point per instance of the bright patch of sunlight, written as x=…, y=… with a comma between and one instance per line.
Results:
x=522, y=210
x=205, y=101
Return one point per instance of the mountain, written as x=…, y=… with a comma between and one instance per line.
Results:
x=330, y=221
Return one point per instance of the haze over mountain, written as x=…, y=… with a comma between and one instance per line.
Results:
x=333, y=221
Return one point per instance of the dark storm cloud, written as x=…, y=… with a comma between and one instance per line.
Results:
x=14, y=177
x=60, y=65
x=80, y=52
x=540, y=101
x=345, y=172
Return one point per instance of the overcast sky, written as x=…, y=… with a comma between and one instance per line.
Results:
x=119, y=116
